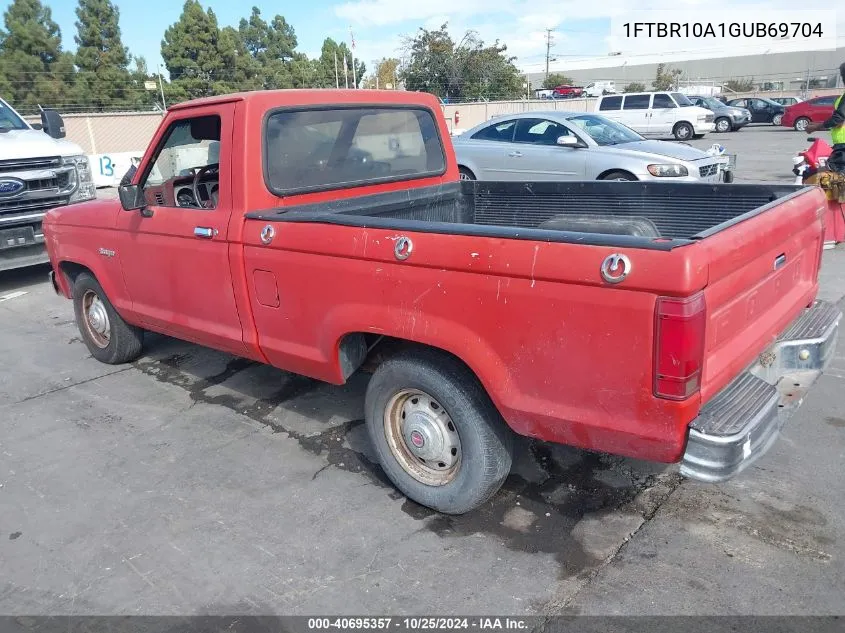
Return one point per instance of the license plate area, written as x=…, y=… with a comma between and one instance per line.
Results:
x=19, y=236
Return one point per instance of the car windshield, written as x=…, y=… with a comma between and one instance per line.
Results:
x=681, y=99
x=604, y=131
x=9, y=120
x=713, y=103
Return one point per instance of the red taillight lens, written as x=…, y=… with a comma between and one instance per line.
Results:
x=679, y=346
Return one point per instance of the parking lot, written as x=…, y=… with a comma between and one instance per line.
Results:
x=194, y=482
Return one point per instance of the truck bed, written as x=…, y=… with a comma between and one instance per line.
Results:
x=645, y=215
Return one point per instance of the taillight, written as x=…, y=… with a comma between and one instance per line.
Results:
x=679, y=346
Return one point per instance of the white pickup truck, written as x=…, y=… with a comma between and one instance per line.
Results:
x=38, y=171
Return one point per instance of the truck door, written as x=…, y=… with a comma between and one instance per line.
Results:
x=175, y=252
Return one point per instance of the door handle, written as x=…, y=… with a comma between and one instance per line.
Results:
x=204, y=232
x=515, y=154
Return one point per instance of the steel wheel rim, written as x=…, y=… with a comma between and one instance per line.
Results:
x=684, y=132
x=95, y=318
x=777, y=119
x=801, y=125
x=722, y=126
x=422, y=437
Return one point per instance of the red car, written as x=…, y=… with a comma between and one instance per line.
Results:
x=327, y=233
x=567, y=92
x=801, y=114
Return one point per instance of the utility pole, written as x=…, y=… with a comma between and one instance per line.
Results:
x=161, y=87
x=549, y=39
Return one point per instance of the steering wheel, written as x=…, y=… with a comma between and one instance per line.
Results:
x=202, y=171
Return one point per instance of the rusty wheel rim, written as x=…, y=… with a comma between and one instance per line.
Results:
x=422, y=437
x=95, y=319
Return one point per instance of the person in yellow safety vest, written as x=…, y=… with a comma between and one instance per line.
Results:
x=836, y=125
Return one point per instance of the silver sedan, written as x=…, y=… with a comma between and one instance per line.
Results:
x=536, y=146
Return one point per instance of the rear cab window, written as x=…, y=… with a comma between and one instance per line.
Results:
x=610, y=103
x=332, y=148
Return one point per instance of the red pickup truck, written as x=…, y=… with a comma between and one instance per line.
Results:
x=327, y=232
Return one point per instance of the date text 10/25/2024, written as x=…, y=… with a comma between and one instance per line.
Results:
x=418, y=624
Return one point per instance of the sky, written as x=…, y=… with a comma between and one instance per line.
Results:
x=379, y=26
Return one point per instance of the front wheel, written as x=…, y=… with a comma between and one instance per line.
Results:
x=465, y=174
x=438, y=437
x=777, y=119
x=723, y=124
x=108, y=337
x=801, y=124
x=683, y=131
x=622, y=176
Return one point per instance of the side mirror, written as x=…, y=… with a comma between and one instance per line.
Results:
x=52, y=123
x=568, y=141
x=131, y=197
x=130, y=173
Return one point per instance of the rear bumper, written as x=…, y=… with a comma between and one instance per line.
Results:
x=738, y=425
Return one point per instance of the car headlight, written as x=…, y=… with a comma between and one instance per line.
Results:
x=702, y=117
x=668, y=171
x=82, y=177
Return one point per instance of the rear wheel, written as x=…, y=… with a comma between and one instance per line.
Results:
x=776, y=120
x=466, y=174
x=618, y=175
x=108, y=337
x=437, y=435
x=723, y=124
x=801, y=124
x=683, y=131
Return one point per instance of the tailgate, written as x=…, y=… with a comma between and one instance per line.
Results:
x=763, y=271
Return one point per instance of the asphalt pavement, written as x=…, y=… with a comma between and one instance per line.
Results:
x=192, y=482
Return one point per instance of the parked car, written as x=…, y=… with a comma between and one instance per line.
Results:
x=816, y=110
x=39, y=169
x=728, y=118
x=599, y=88
x=658, y=114
x=578, y=146
x=327, y=233
x=762, y=110
x=567, y=92
x=787, y=101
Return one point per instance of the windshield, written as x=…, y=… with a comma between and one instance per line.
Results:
x=604, y=131
x=713, y=103
x=681, y=99
x=9, y=120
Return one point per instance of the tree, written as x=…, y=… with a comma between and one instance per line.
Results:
x=666, y=78
x=557, y=79
x=385, y=75
x=634, y=87
x=201, y=60
x=460, y=71
x=102, y=60
x=273, y=48
x=740, y=85
x=34, y=68
x=325, y=76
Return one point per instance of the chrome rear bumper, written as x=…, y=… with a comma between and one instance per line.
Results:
x=738, y=425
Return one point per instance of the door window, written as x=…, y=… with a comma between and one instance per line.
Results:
x=663, y=101
x=497, y=132
x=186, y=169
x=636, y=102
x=825, y=101
x=757, y=104
x=539, y=131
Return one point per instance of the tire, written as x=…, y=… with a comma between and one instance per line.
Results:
x=723, y=124
x=109, y=338
x=776, y=120
x=446, y=402
x=618, y=175
x=466, y=174
x=683, y=131
x=801, y=124
x=698, y=135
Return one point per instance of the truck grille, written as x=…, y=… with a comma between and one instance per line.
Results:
x=24, y=164
x=40, y=205
x=708, y=170
x=708, y=118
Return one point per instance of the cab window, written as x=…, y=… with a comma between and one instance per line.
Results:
x=497, y=132
x=610, y=103
x=186, y=169
x=539, y=131
x=663, y=101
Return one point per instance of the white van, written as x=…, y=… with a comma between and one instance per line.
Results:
x=657, y=114
x=599, y=88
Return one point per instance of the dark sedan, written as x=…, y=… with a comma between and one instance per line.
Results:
x=727, y=118
x=762, y=110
